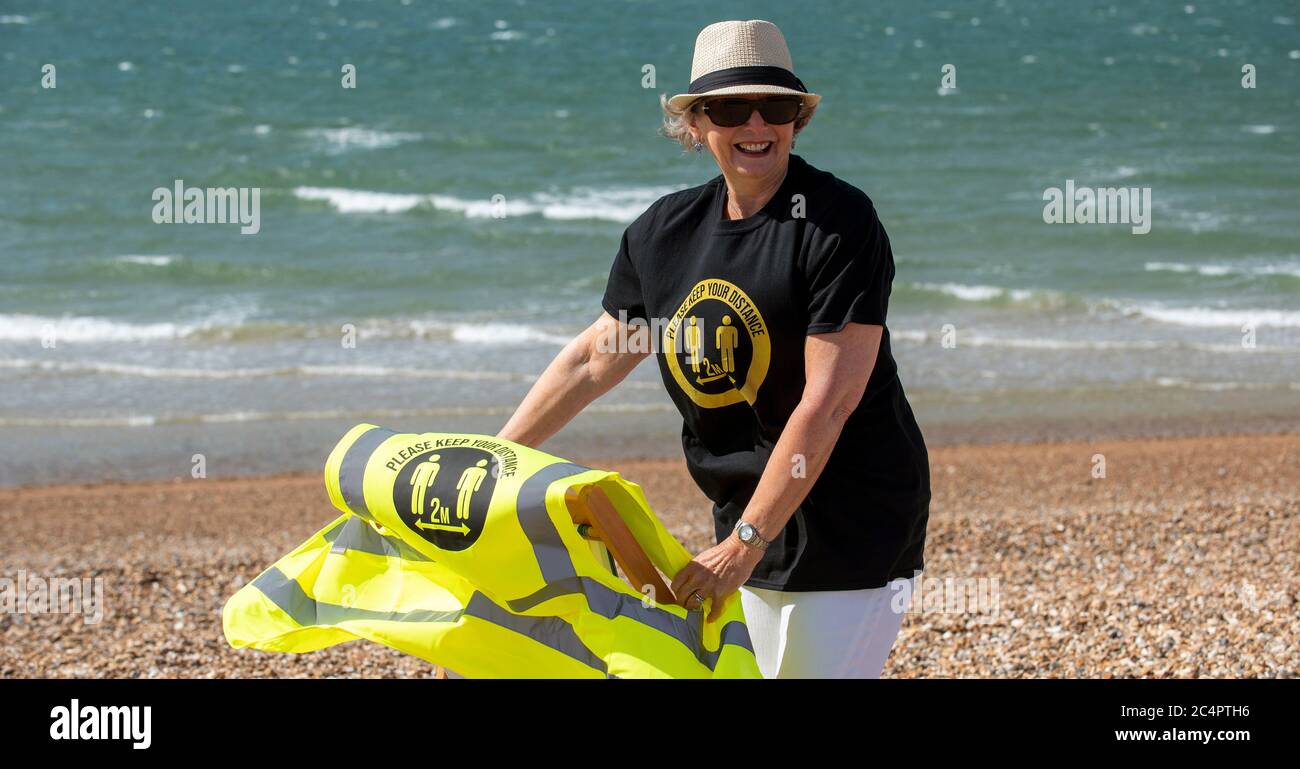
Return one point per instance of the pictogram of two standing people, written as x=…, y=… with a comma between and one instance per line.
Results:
x=471, y=480
x=726, y=339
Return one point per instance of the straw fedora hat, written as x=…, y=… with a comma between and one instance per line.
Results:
x=741, y=57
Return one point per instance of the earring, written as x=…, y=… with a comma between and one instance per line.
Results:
x=698, y=148
x=792, y=144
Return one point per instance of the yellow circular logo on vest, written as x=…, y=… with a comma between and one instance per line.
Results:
x=717, y=345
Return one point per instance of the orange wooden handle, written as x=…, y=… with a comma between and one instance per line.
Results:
x=592, y=507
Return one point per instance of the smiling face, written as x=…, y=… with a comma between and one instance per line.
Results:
x=752, y=151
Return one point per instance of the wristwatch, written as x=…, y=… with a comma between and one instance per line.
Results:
x=749, y=535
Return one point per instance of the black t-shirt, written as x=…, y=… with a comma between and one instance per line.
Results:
x=730, y=303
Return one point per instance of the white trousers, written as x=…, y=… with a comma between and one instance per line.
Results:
x=824, y=633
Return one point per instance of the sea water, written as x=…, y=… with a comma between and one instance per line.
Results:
x=430, y=238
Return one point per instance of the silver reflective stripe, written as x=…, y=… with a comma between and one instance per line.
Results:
x=562, y=578
x=610, y=603
x=356, y=534
x=352, y=470
x=530, y=506
x=734, y=633
x=551, y=632
x=288, y=595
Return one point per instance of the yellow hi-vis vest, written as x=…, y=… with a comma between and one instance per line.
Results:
x=461, y=550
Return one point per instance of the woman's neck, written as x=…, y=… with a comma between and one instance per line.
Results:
x=747, y=197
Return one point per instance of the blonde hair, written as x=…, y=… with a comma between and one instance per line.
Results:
x=677, y=126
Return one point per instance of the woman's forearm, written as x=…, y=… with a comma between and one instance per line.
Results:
x=838, y=366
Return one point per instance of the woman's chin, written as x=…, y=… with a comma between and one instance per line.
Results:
x=755, y=165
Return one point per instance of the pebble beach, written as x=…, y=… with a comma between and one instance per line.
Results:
x=1179, y=562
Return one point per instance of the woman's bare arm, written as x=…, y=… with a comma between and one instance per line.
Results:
x=587, y=368
x=838, y=366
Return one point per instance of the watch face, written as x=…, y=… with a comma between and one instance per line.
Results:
x=745, y=532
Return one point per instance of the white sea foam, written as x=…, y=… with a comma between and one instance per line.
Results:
x=1068, y=345
x=1033, y=343
x=11, y=18
x=1291, y=270
x=223, y=314
x=235, y=323
x=1219, y=270
x=1186, y=384
x=482, y=209
x=613, y=204
x=1261, y=130
x=410, y=372
x=910, y=335
x=1215, y=317
x=152, y=420
x=111, y=368
x=488, y=333
x=622, y=204
x=503, y=333
x=1168, y=267
x=361, y=201
x=161, y=260
x=982, y=293
x=132, y=420
x=336, y=140
x=963, y=292
x=182, y=372
x=21, y=327
x=1201, y=221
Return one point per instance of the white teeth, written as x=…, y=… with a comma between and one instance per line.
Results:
x=750, y=147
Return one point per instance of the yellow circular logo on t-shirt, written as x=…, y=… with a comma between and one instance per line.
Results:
x=717, y=345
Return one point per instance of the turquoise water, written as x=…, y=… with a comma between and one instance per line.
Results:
x=376, y=213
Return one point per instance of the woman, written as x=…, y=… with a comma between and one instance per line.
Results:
x=764, y=294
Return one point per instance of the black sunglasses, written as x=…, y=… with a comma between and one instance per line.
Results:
x=731, y=112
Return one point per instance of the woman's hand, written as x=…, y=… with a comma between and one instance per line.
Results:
x=716, y=573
